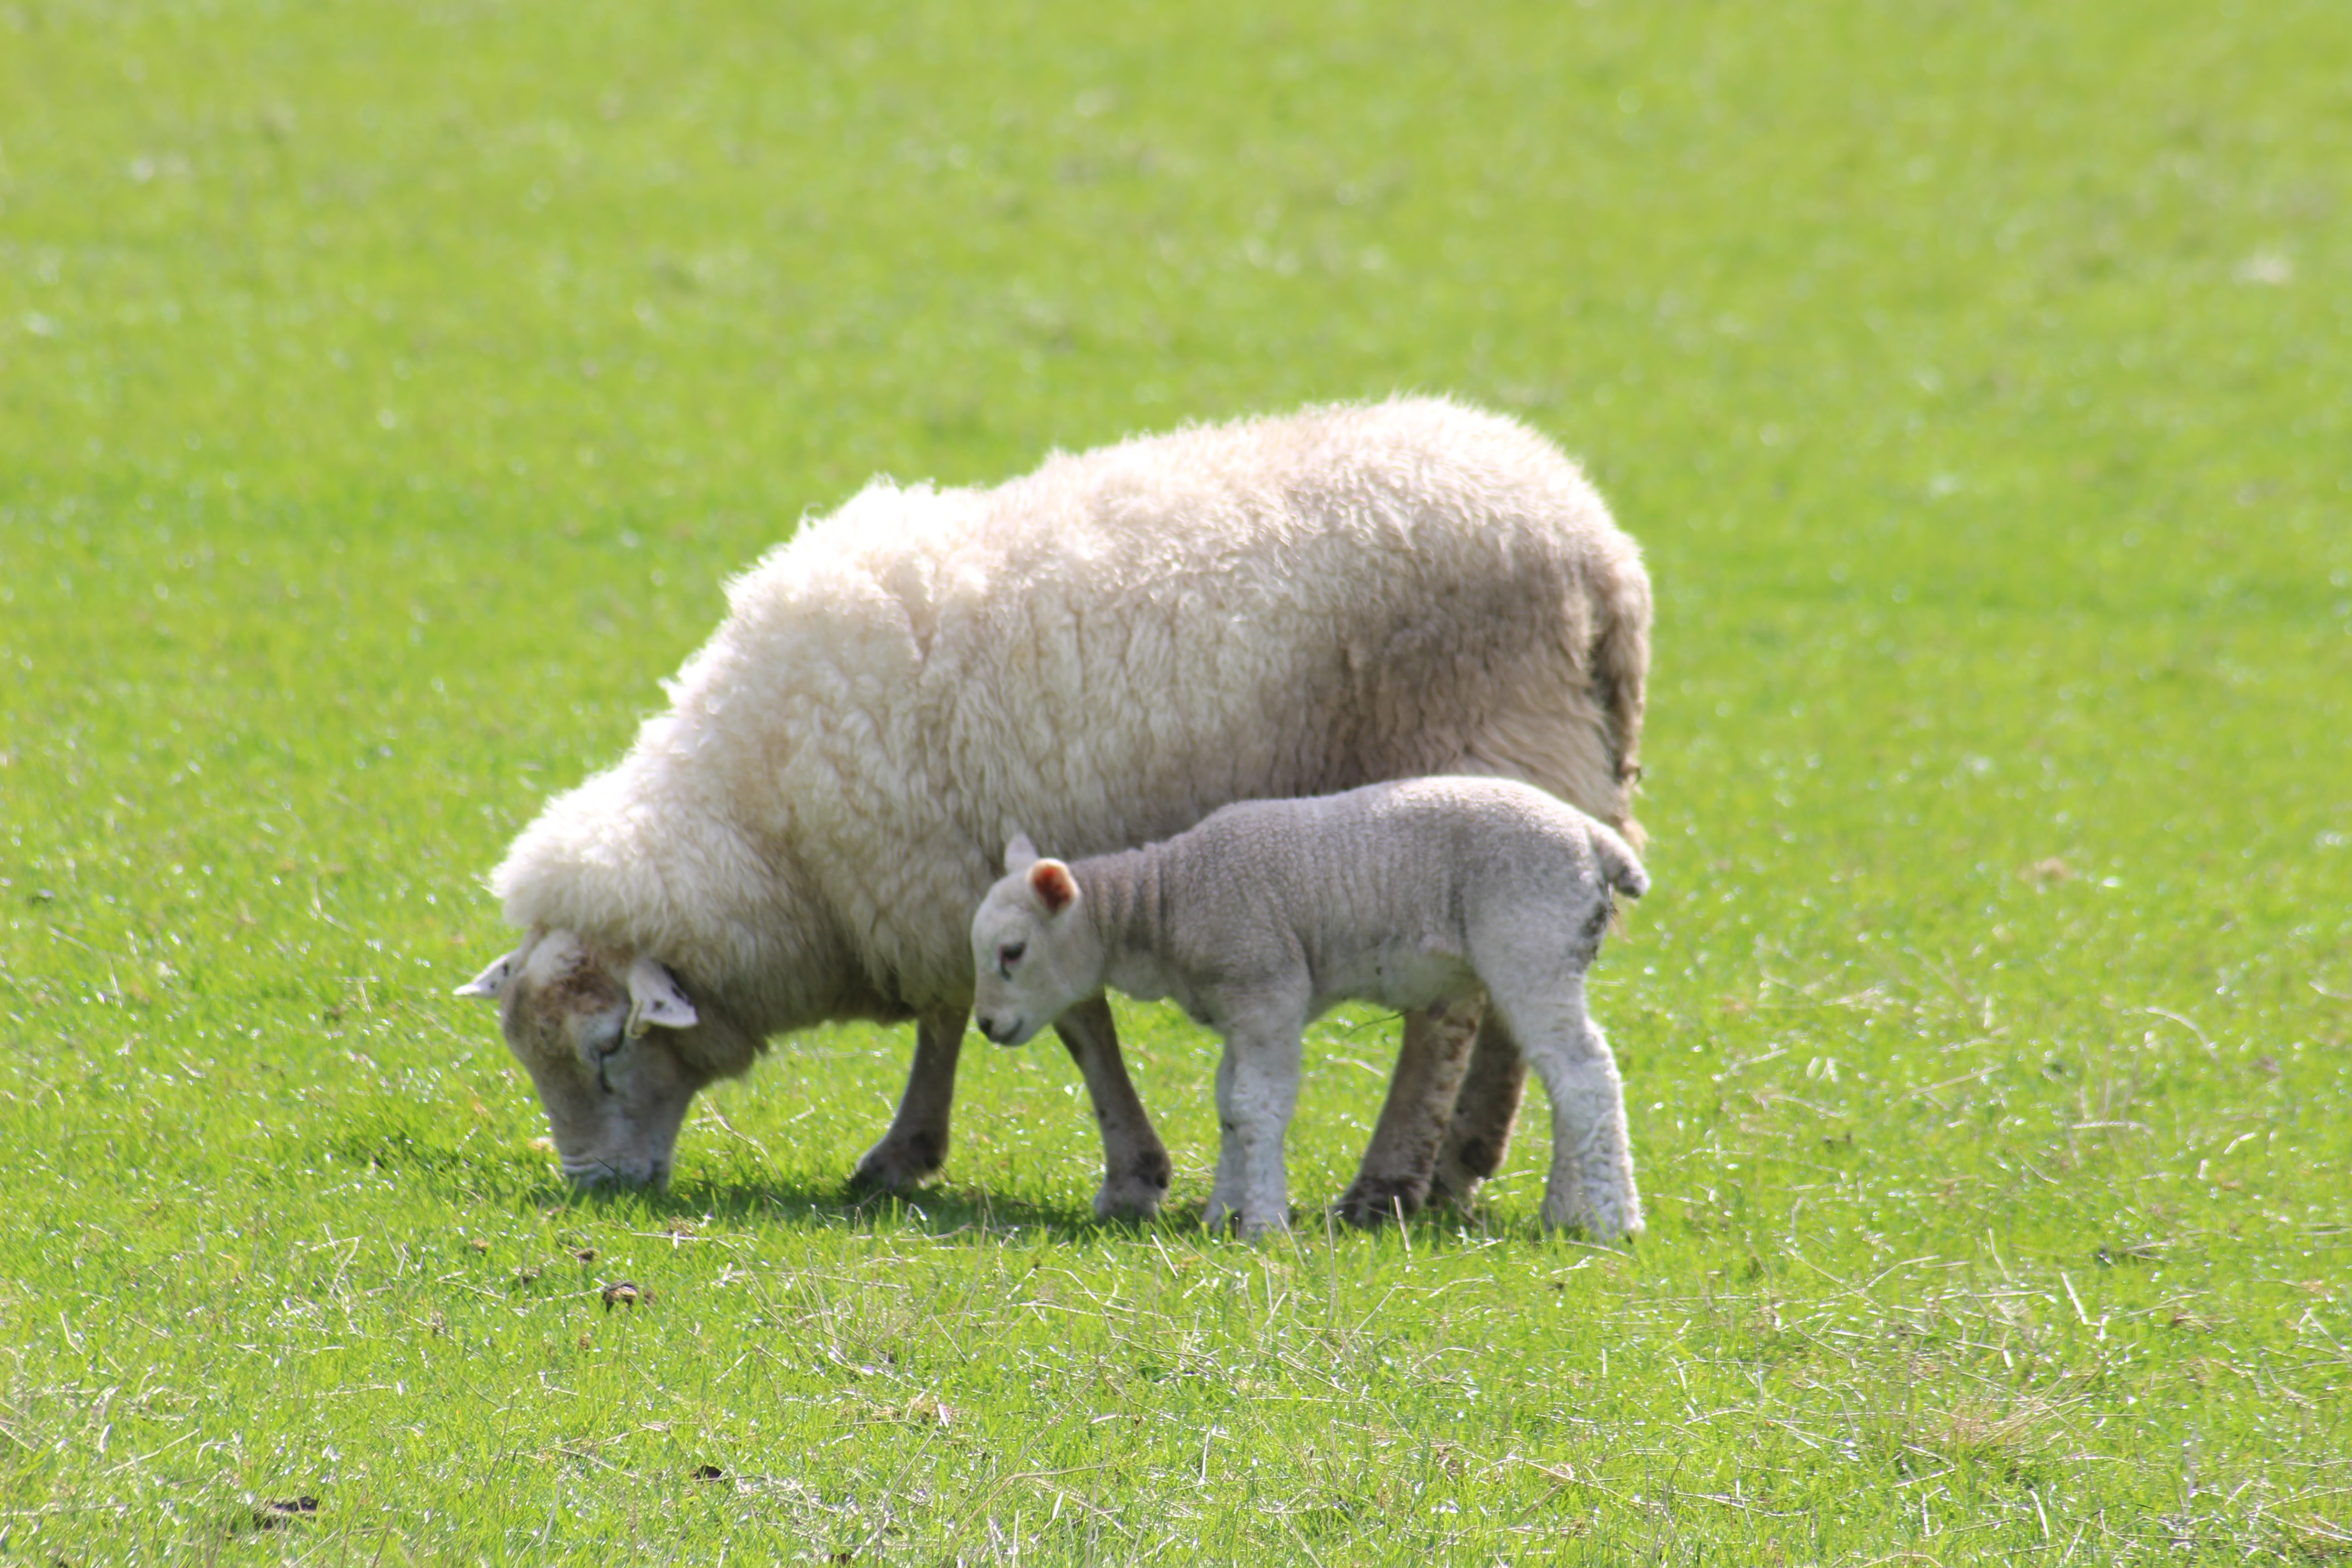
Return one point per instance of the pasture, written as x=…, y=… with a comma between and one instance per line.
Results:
x=386, y=392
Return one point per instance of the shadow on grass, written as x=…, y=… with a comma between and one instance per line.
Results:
x=747, y=1194
x=947, y=1211
x=940, y=1211
x=457, y=1173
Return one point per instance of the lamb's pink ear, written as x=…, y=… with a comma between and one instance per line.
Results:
x=492, y=983
x=1052, y=882
x=655, y=997
x=1019, y=854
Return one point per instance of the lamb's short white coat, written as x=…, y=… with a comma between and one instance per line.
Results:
x=1105, y=651
x=1267, y=914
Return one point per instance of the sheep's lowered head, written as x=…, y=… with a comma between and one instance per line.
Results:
x=1034, y=952
x=615, y=1047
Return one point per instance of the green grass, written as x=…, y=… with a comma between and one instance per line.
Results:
x=386, y=390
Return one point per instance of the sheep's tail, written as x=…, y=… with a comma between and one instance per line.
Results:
x=1620, y=673
x=1619, y=866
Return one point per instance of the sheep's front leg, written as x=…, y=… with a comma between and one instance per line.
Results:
x=1480, y=1132
x=1254, y=1102
x=1592, y=1185
x=1395, y=1175
x=1136, y=1169
x=916, y=1144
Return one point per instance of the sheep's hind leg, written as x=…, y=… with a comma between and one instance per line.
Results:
x=916, y=1144
x=1480, y=1134
x=1136, y=1169
x=1395, y=1175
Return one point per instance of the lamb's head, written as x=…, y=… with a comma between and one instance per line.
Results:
x=615, y=1047
x=1033, y=952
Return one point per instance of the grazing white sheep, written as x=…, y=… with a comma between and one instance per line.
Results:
x=1410, y=895
x=1106, y=651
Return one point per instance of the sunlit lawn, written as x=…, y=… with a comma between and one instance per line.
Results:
x=385, y=393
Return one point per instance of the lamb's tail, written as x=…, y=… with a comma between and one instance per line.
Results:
x=1619, y=865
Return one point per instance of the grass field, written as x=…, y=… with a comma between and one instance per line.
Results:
x=386, y=391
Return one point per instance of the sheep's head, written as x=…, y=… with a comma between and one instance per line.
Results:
x=615, y=1046
x=1032, y=951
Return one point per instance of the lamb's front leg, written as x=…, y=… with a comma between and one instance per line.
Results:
x=1254, y=1102
x=1135, y=1162
x=916, y=1144
x=1225, y=1191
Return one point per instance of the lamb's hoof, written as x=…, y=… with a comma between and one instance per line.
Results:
x=895, y=1167
x=1234, y=1222
x=1607, y=1224
x=1372, y=1202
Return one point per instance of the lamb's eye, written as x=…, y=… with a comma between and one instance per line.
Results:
x=1010, y=954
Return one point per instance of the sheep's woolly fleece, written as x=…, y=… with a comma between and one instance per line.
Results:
x=1100, y=654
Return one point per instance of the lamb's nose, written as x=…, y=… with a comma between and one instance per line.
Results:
x=987, y=1025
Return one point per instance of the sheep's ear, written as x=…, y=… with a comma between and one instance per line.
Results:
x=1052, y=882
x=657, y=998
x=492, y=983
x=1019, y=854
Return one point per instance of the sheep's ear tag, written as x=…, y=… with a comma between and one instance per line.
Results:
x=656, y=998
x=1019, y=854
x=492, y=983
x=1055, y=888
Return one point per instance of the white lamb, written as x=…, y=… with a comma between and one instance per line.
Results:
x=1105, y=651
x=1410, y=895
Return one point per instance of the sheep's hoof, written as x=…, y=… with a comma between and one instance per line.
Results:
x=1461, y=1172
x=1129, y=1197
x=1455, y=1185
x=892, y=1167
x=1135, y=1181
x=1372, y=1202
x=1461, y=1200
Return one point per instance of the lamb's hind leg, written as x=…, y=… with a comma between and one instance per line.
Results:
x=1395, y=1175
x=1136, y=1169
x=916, y=1144
x=1592, y=1185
